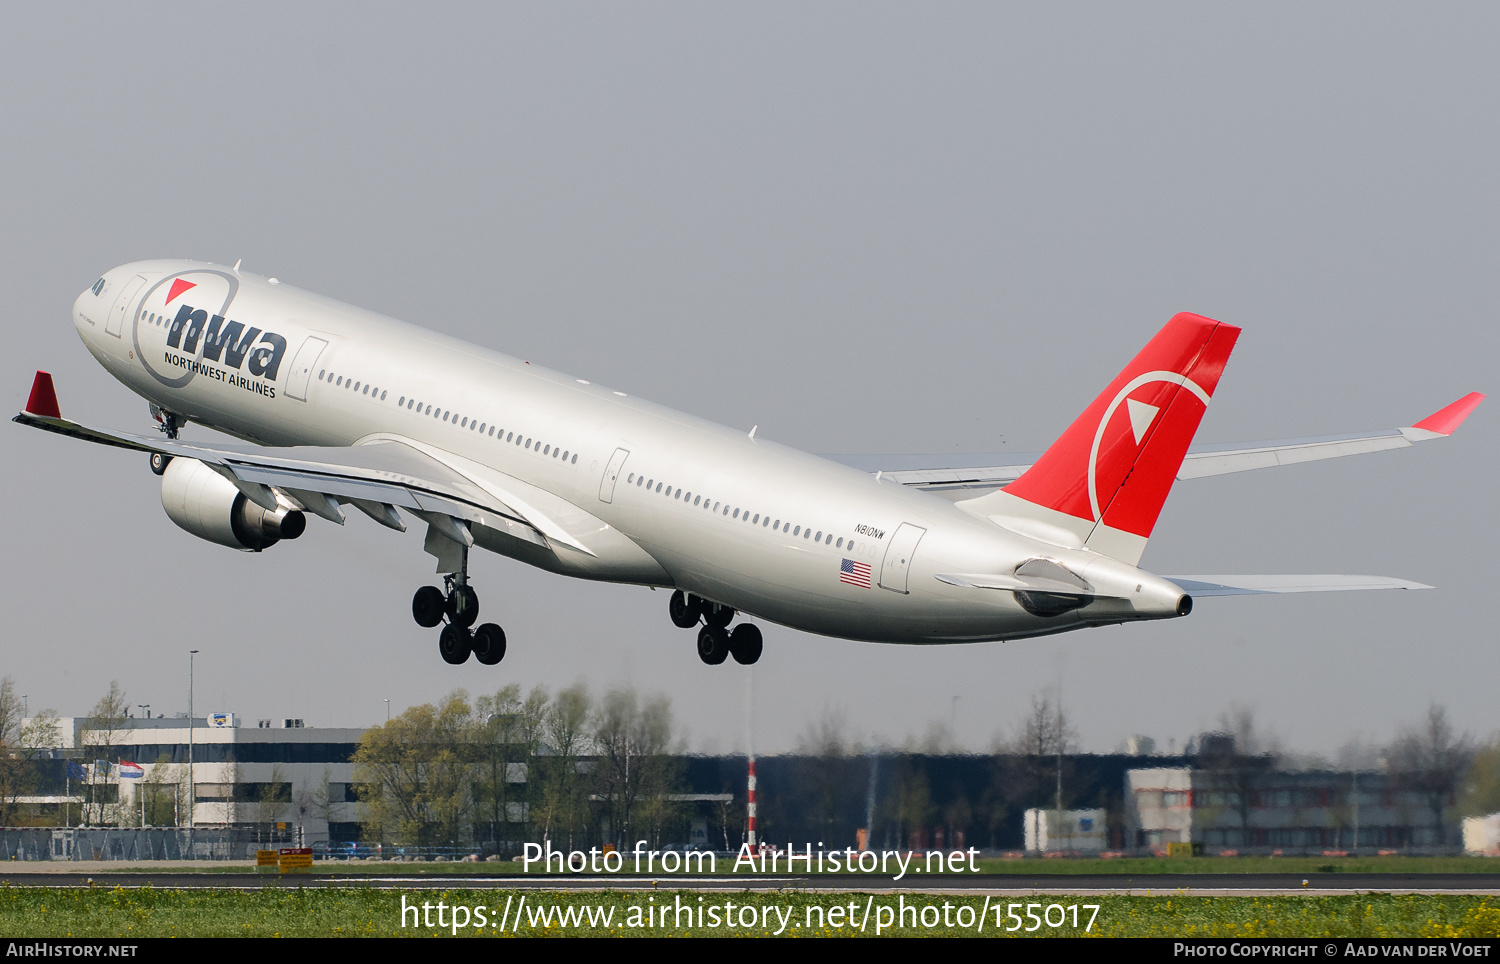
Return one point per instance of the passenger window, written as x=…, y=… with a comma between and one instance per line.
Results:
x=797, y=531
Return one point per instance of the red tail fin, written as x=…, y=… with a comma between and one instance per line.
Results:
x=43, y=400
x=1116, y=463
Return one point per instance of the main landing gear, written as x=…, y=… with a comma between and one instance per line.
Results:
x=460, y=606
x=715, y=641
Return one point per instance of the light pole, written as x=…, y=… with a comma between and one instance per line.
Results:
x=139, y=789
x=192, y=791
x=387, y=711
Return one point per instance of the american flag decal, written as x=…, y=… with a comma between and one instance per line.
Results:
x=855, y=573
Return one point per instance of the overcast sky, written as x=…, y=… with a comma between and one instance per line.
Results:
x=917, y=228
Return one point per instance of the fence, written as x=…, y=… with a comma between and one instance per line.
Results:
x=131, y=843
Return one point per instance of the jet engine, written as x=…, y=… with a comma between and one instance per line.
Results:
x=209, y=506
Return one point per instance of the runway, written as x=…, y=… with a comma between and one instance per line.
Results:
x=1202, y=885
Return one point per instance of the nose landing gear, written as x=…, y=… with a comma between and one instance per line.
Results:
x=715, y=641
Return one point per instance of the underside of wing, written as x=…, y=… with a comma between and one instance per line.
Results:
x=377, y=478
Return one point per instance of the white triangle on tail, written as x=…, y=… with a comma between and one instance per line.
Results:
x=1141, y=417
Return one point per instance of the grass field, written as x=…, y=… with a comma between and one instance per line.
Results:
x=295, y=912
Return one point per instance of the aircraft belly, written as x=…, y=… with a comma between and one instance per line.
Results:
x=615, y=559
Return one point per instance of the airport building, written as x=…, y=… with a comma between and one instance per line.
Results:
x=278, y=781
x=274, y=779
x=1258, y=809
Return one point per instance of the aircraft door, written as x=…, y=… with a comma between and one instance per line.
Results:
x=302, y=366
x=611, y=473
x=116, y=323
x=898, y=557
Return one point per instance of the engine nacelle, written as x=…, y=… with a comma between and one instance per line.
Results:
x=209, y=506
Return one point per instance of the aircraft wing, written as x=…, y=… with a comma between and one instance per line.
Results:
x=377, y=478
x=965, y=473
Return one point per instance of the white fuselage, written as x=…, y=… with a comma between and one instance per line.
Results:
x=740, y=521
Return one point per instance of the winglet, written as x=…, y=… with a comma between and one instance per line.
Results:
x=1445, y=421
x=43, y=400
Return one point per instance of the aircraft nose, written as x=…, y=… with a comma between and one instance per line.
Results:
x=88, y=312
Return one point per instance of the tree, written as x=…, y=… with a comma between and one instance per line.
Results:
x=1429, y=758
x=562, y=794
x=507, y=734
x=271, y=801
x=1241, y=754
x=99, y=733
x=635, y=772
x=1481, y=786
x=1044, y=738
x=10, y=712
x=413, y=775
x=834, y=775
x=22, y=742
x=163, y=793
x=912, y=803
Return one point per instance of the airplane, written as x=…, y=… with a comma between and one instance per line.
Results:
x=337, y=406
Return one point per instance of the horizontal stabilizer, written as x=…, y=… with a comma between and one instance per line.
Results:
x=1256, y=585
x=980, y=473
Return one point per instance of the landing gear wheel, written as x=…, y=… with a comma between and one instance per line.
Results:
x=489, y=644
x=454, y=644
x=717, y=616
x=713, y=645
x=462, y=606
x=427, y=606
x=159, y=462
x=745, y=643
x=684, y=610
